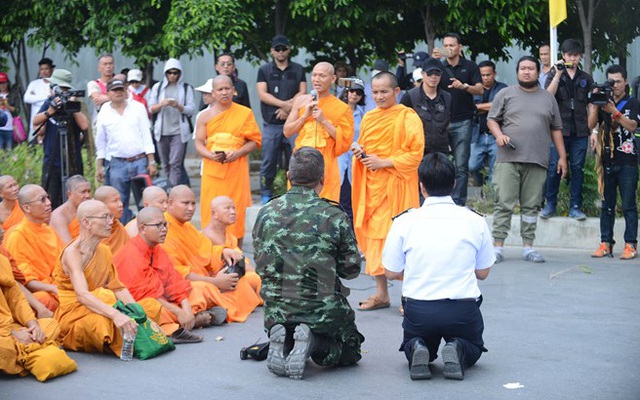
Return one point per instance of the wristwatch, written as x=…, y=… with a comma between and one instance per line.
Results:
x=46, y=113
x=466, y=86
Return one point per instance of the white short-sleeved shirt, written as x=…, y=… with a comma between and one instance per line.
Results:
x=125, y=135
x=439, y=246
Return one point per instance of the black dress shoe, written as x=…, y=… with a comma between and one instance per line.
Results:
x=419, y=369
x=451, y=355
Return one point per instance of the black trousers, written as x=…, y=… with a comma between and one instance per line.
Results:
x=435, y=320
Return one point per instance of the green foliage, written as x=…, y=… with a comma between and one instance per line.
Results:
x=280, y=183
x=23, y=162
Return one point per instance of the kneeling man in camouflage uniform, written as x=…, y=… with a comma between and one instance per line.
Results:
x=303, y=246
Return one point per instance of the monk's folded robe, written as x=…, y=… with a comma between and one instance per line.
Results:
x=118, y=238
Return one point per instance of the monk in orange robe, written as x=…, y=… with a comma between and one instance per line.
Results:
x=89, y=287
x=225, y=135
x=19, y=327
x=119, y=236
x=63, y=218
x=147, y=271
x=152, y=196
x=10, y=211
x=35, y=245
x=223, y=215
x=324, y=123
x=198, y=260
x=385, y=176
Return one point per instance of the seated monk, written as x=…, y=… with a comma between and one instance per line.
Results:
x=111, y=197
x=63, y=218
x=223, y=215
x=196, y=259
x=149, y=274
x=89, y=287
x=10, y=211
x=18, y=325
x=152, y=196
x=35, y=245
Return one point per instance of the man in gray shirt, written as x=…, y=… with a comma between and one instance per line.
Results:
x=524, y=119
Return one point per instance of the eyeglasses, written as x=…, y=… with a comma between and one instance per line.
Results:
x=280, y=49
x=433, y=72
x=159, y=225
x=42, y=199
x=106, y=217
x=173, y=72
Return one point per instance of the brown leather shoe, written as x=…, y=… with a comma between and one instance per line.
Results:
x=603, y=251
x=629, y=252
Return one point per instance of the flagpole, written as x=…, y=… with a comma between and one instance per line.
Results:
x=553, y=44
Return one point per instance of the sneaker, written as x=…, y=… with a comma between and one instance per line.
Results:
x=629, y=252
x=547, y=212
x=576, y=214
x=297, y=359
x=533, y=256
x=452, y=364
x=275, y=357
x=419, y=369
x=603, y=251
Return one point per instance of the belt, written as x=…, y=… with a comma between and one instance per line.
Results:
x=131, y=159
x=465, y=299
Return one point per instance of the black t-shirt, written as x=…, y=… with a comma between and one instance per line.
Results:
x=282, y=84
x=624, y=149
x=462, y=107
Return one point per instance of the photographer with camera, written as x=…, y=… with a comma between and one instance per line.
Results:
x=60, y=108
x=617, y=169
x=405, y=79
x=570, y=85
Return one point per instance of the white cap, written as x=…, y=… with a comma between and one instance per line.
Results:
x=134, y=75
x=207, y=87
x=417, y=74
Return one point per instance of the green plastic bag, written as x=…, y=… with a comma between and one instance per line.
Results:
x=150, y=340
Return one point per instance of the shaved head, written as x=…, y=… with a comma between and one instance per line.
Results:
x=220, y=201
x=325, y=66
x=180, y=191
x=182, y=203
x=91, y=208
x=4, y=180
x=105, y=192
x=223, y=210
x=148, y=215
x=74, y=181
x=222, y=79
x=155, y=196
x=385, y=75
x=111, y=197
x=27, y=192
x=9, y=188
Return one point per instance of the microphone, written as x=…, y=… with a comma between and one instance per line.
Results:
x=314, y=95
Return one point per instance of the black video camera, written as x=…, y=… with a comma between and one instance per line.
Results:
x=64, y=104
x=561, y=65
x=403, y=56
x=602, y=95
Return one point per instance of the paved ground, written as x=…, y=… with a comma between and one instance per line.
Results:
x=567, y=329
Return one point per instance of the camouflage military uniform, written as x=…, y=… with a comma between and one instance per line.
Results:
x=303, y=245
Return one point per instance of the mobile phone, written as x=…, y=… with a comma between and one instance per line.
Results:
x=345, y=82
x=224, y=155
x=444, y=52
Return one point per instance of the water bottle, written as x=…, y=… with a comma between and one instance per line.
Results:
x=127, y=346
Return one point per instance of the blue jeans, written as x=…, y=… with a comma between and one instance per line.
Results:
x=6, y=140
x=484, y=149
x=119, y=174
x=576, y=148
x=460, y=141
x=625, y=179
x=274, y=145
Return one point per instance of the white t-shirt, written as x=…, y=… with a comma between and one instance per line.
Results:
x=37, y=92
x=439, y=246
x=125, y=135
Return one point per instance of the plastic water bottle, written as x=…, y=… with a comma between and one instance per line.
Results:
x=127, y=347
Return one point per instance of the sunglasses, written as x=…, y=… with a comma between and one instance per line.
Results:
x=433, y=72
x=280, y=49
x=134, y=82
x=357, y=91
x=173, y=72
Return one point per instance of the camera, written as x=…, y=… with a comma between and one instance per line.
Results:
x=602, y=95
x=403, y=56
x=561, y=65
x=65, y=105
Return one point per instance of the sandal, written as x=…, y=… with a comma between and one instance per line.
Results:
x=373, y=303
x=182, y=336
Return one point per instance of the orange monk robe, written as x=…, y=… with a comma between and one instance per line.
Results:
x=80, y=328
x=118, y=238
x=314, y=135
x=395, y=133
x=229, y=130
x=36, y=249
x=149, y=274
x=192, y=252
x=15, y=312
x=14, y=217
x=74, y=228
x=17, y=274
x=254, y=280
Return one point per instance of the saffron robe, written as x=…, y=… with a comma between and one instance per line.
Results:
x=14, y=217
x=74, y=228
x=118, y=238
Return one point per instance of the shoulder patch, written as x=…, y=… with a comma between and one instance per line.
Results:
x=402, y=213
x=474, y=211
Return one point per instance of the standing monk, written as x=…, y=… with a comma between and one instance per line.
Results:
x=225, y=135
x=152, y=196
x=223, y=215
x=10, y=211
x=63, y=218
x=324, y=123
x=35, y=245
x=89, y=287
x=119, y=236
x=385, y=176
x=198, y=260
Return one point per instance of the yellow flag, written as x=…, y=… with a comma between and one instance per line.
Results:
x=557, y=12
